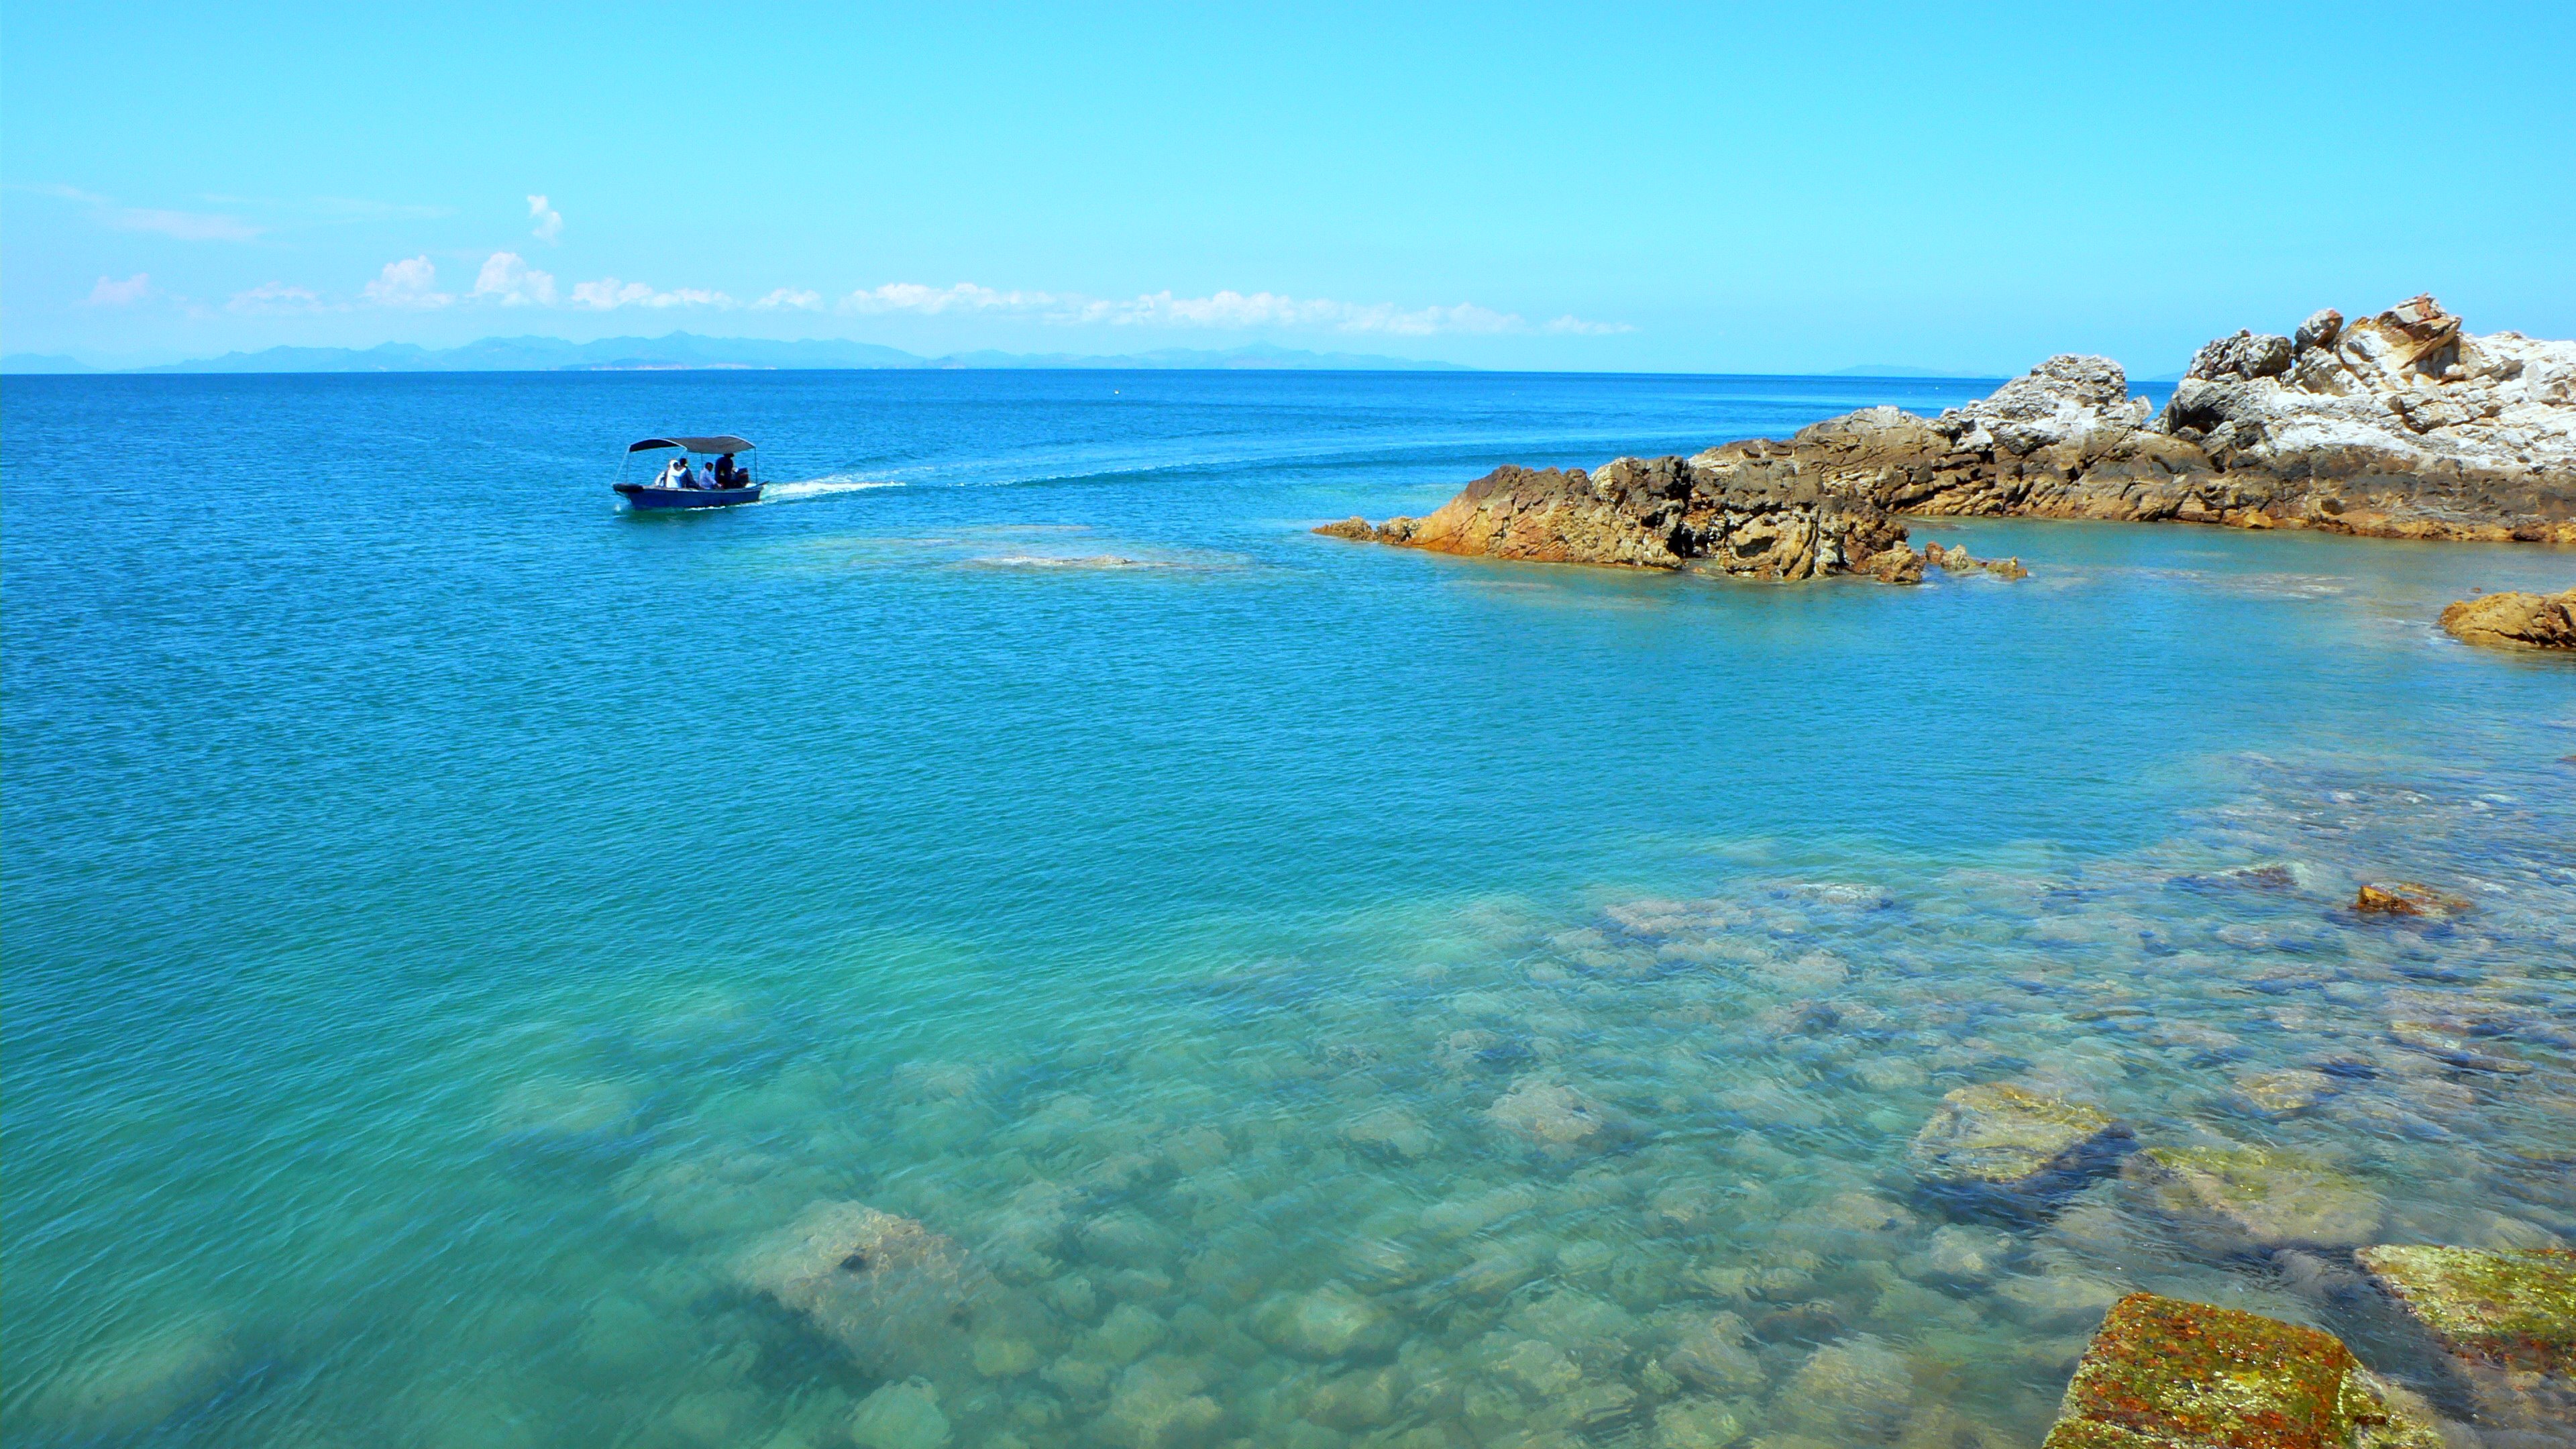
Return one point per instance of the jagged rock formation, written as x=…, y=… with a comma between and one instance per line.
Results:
x=1752, y=515
x=2515, y=621
x=2402, y=425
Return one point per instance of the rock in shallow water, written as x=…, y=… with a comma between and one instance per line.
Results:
x=137, y=1381
x=1331, y=1322
x=2238, y=1198
x=2406, y=898
x=900, y=1416
x=889, y=1289
x=1857, y=1390
x=2516, y=1309
x=2167, y=1374
x=1557, y=1119
x=2000, y=1146
x=2515, y=620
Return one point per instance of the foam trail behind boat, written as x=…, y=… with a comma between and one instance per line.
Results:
x=822, y=487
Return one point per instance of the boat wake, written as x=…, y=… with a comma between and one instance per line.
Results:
x=824, y=487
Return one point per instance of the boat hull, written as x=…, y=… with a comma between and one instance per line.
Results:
x=639, y=495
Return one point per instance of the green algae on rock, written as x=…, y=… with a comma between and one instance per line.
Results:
x=2239, y=1198
x=2168, y=1374
x=2517, y=1309
x=1997, y=1144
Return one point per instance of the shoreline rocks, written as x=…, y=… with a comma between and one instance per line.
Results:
x=2402, y=425
x=2515, y=620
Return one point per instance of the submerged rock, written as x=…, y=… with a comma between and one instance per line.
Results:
x=2283, y=1093
x=900, y=1416
x=1696, y=1423
x=2238, y=1198
x=2167, y=1374
x=1158, y=1405
x=2515, y=621
x=1390, y=1134
x=1559, y=1120
x=2516, y=1309
x=1331, y=1322
x=1999, y=1145
x=134, y=1382
x=1957, y=1253
x=887, y=1287
x=1712, y=1355
x=1857, y=1390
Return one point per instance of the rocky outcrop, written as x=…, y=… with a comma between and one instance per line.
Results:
x=1957, y=560
x=2402, y=425
x=2168, y=1374
x=2515, y=621
x=1756, y=516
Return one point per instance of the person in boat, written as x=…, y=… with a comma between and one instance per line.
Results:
x=727, y=475
x=675, y=474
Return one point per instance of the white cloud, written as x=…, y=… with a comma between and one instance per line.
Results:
x=549, y=221
x=608, y=294
x=112, y=293
x=508, y=279
x=1228, y=310
x=411, y=283
x=931, y=301
x=795, y=297
x=275, y=299
x=185, y=225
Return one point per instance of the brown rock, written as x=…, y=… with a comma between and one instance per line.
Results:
x=2515, y=621
x=2406, y=898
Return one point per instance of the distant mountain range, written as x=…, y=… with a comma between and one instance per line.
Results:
x=683, y=350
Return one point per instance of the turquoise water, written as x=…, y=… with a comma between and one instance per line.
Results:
x=452, y=925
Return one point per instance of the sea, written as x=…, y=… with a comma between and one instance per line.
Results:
x=1014, y=942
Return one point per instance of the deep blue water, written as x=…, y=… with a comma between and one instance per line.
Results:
x=451, y=922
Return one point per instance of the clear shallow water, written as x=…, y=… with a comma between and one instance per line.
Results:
x=452, y=924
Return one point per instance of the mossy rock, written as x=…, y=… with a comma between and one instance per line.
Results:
x=1996, y=1144
x=2240, y=1198
x=2167, y=1374
x=2517, y=1309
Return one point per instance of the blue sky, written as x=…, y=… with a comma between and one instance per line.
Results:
x=1770, y=189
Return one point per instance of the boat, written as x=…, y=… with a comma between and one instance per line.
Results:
x=659, y=494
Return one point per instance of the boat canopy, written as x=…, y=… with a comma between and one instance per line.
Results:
x=722, y=443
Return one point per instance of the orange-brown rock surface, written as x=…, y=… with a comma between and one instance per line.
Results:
x=2515, y=621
